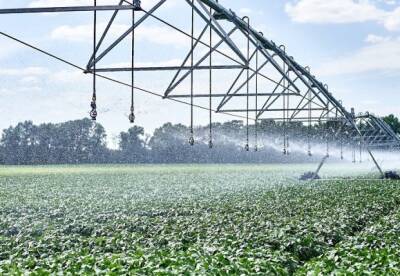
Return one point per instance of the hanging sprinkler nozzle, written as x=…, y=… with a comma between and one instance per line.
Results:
x=132, y=116
x=247, y=147
x=191, y=141
x=210, y=144
x=93, y=115
x=93, y=112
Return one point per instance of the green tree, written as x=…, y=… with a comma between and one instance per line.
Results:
x=393, y=122
x=19, y=143
x=169, y=144
x=132, y=145
x=80, y=141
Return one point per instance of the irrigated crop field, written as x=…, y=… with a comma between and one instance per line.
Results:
x=194, y=219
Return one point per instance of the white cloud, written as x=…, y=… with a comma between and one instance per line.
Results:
x=32, y=80
x=245, y=11
x=68, y=77
x=19, y=72
x=146, y=4
x=162, y=35
x=155, y=34
x=170, y=62
x=382, y=56
x=248, y=11
x=333, y=11
x=8, y=48
x=30, y=89
x=371, y=38
x=62, y=3
x=370, y=102
x=392, y=22
x=342, y=11
x=389, y=2
x=84, y=33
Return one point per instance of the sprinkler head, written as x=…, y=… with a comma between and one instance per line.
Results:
x=309, y=153
x=247, y=147
x=256, y=148
x=284, y=151
x=191, y=141
x=93, y=105
x=132, y=118
x=93, y=114
x=210, y=144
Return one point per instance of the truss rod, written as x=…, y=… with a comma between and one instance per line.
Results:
x=188, y=35
x=308, y=101
x=265, y=105
x=174, y=83
x=167, y=68
x=210, y=142
x=218, y=29
x=103, y=36
x=66, y=9
x=246, y=82
x=223, y=95
x=124, y=35
x=93, y=104
x=216, y=50
x=114, y=80
x=268, y=104
x=298, y=119
x=191, y=139
x=265, y=43
x=270, y=110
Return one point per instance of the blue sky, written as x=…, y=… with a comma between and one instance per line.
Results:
x=354, y=46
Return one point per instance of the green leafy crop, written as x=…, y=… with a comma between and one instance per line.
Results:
x=205, y=219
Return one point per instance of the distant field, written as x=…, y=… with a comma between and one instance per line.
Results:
x=201, y=219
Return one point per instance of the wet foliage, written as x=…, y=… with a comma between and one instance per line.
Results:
x=194, y=219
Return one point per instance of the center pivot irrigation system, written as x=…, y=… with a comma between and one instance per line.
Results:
x=262, y=82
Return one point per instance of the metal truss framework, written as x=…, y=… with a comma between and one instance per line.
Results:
x=377, y=133
x=267, y=82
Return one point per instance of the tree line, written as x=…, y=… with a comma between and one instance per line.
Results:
x=84, y=142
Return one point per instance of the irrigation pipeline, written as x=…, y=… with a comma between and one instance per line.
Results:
x=116, y=81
